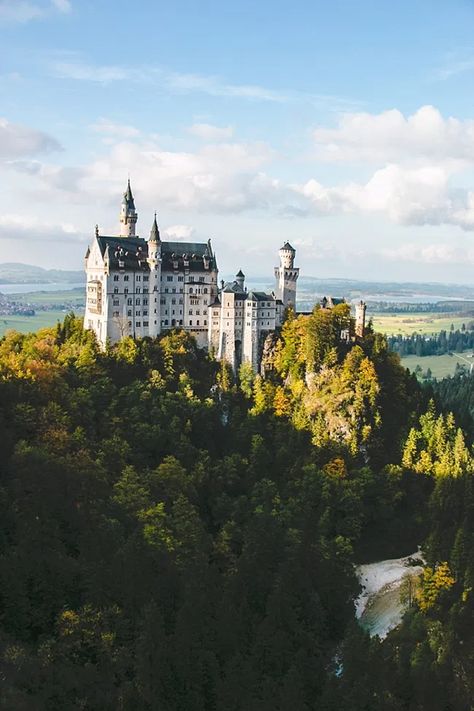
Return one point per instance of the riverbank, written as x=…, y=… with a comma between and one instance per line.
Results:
x=378, y=607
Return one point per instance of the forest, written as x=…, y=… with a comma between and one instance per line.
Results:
x=458, y=340
x=175, y=538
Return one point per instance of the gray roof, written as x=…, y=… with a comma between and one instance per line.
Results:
x=260, y=296
x=288, y=246
x=128, y=197
x=133, y=252
x=155, y=232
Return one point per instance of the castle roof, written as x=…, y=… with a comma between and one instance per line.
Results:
x=288, y=246
x=155, y=233
x=194, y=253
x=260, y=296
x=240, y=274
x=128, y=197
x=132, y=253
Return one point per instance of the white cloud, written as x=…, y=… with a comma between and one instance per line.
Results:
x=19, y=11
x=18, y=141
x=430, y=254
x=32, y=228
x=408, y=196
x=208, y=132
x=390, y=136
x=62, y=5
x=179, y=232
x=110, y=128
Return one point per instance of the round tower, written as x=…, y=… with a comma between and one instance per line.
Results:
x=128, y=214
x=286, y=276
x=154, y=286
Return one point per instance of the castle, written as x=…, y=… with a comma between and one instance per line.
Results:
x=138, y=287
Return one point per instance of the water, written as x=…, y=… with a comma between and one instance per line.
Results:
x=28, y=288
x=378, y=607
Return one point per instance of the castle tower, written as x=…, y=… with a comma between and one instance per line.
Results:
x=240, y=279
x=360, y=310
x=128, y=214
x=286, y=276
x=154, y=287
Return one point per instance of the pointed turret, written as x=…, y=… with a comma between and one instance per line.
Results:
x=128, y=196
x=155, y=232
x=240, y=279
x=128, y=213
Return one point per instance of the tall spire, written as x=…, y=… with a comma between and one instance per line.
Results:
x=128, y=196
x=128, y=213
x=155, y=232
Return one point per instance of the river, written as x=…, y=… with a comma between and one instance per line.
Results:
x=378, y=607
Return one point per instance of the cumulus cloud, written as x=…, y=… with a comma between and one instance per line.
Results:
x=21, y=11
x=208, y=132
x=408, y=196
x=430, y=254
x=112, y=129
x=62, y=5
x=32, y=228
x=223, y=177
x=392, y=137
x=179, y=232
x=18, y=141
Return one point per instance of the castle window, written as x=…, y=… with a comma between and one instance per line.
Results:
x=173, y=301
x=137, y=301
x=191, y=278
x=130, y=324
x=138, y=290
x=197, y=322
x=145, y=312
x=125, y=277
x=145, y=302
x=116, y=277
x=197, y=312
x=129, y=312
x=129, y=302
x=138, y=324
x=166, y=321
x=138, y=277
x=116, y=302
x=205, y=291
x=190, y=322
x=125, y=291
x=166, y=290
x=137, y=313
x=115, y=289
x=205, y=322
x=201, y=279
x=145, y=323
x=180, y=278
x=173, y=290
x=146, y=278
x=162, y=301
x=190, y=312
x=169, y=278
x=191, y=290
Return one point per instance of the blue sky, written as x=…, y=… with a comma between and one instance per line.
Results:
x=347, y=128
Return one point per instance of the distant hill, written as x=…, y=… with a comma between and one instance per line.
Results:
x=17, y=273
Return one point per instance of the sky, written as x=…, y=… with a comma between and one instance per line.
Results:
x=344, y=127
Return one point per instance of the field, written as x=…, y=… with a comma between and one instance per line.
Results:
x=25, y=324
x=424, y=323
x=441, y=366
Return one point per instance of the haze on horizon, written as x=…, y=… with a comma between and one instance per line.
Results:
x=345, y=128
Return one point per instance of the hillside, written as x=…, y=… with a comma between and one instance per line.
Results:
x=17, y=273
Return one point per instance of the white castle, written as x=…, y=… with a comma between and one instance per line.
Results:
x=138, y=287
